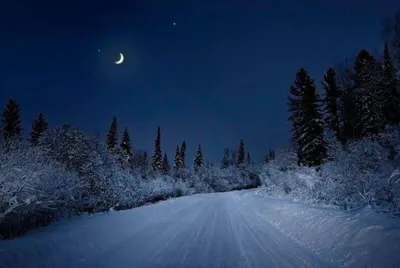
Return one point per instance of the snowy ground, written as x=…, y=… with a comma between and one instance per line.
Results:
x=234, y=229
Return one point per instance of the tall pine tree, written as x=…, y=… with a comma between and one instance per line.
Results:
x=248, y=160
x=157, y=163
x=198, y=160
x=144, y=162
x=225, y=159
x=39, y=127
x=11, y=121
x=266, y=159
x=306, y=116
x=271, y=154
x=294, y=104
x=112, y=137
x=166, y=165
x=241, y=155
x=391, y=97
x=183, y=154
x=331, y=101
x=126, y=146
x=368, y=94
x=177, y=159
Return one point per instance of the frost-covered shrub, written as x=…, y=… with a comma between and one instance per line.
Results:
x=356, y=175
x=228, y=179
x=353, y=176
x=163, y=187
x=285, y=159
x=69, y=172
x=296, y=181
x=89, y=158
x=34, y=189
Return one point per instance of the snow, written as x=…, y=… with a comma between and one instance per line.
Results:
x=233, y=229
x=361, y=238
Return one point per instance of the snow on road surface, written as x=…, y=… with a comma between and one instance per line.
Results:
x=234, y=229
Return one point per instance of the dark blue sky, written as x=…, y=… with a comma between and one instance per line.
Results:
x=220, y=75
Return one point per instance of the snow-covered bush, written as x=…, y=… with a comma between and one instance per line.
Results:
x=89, y=158
x=353, y=176
x=280, y=180
x=33, y=189
x=356, y=176
x=69, y=172
x=228, y=179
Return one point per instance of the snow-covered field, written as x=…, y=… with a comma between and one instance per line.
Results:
x=233, y=229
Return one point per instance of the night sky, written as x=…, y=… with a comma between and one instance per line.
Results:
x=219, y=75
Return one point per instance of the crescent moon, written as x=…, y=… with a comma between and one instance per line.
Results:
x=121, y=59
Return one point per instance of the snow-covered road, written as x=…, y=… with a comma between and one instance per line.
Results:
x=206, y=230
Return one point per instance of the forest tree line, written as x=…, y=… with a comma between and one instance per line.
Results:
x=359, y=108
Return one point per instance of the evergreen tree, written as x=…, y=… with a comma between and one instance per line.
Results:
x=391, y=97
x=144, y=163
x=306, y=116
x=266, y=159
x=294, y=104
x=391, y=33
x=126, y=146
x=182, y=154
x=166, y=166
x=112, y=137
x=271, y=154
x=332, y=95
x=198, y=160
x=233, y=158
x=157, y=163
x=11, y=122
x=240, y=155
x=145, y=159
x=39, y=127
x=348, y=113
x=249, y=162
x=368, y=94
x=225, y=159
x=178, y=159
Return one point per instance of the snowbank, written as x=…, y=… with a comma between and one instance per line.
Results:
x=361, y=238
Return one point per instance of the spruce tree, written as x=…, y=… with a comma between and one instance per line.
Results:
x=11, y=121
x=331, y=101
x=266, y=159
x=391, y=32
x=144, y=162
x=233, y=158
x=177, y=159
x=294, y=102
x=306, y=116
x=225, y=159
x=391, y=97
x=112, y=137
x=166, y=165
x=348, y=113
x=39, y=127
x=240, y=155
x=271, y=154
x=157, y=163
x=126, y=146
x=368, y=94
x=182, y=154
x=198, y=160
x=248, y=160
